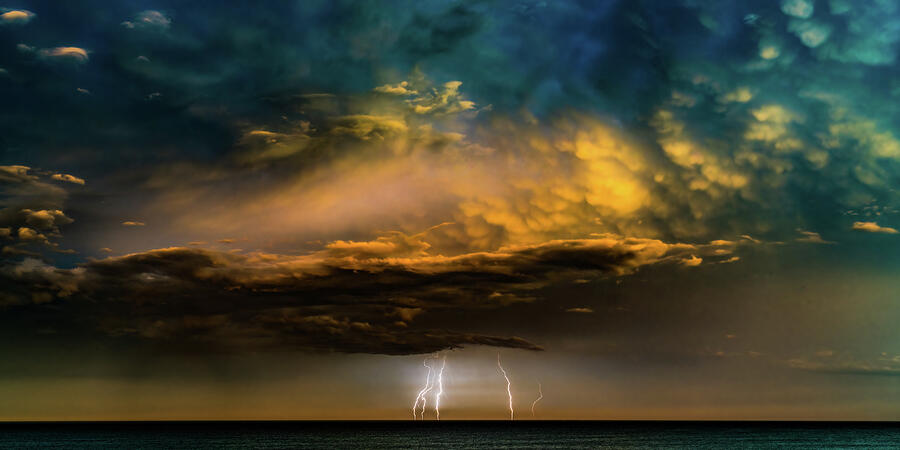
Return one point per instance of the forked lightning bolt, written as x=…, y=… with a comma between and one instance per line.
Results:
x=508, y=388
x=440, y=383
x=423, y=392
x=540, y=396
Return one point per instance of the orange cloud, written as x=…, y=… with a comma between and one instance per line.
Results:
x=74, y=54
x=872, y=227
x=68, y=178
x=17, y=16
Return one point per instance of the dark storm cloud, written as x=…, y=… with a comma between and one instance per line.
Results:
x=677, y=120
x=350, y=297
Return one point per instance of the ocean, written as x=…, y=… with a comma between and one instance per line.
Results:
x=450, y=434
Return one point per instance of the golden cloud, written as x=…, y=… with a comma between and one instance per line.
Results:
x=74, y=54
x=873, y=227
x=68, y=178
x=17, y=16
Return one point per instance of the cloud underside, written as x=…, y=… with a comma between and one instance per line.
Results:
x=353, y=297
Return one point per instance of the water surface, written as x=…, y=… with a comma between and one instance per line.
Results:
x=450, y=434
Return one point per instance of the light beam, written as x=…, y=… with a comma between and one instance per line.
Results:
x=508, y=388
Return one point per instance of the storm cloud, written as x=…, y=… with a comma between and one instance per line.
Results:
x=348, y=297
x=647, y=190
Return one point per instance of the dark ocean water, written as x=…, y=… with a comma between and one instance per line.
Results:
x=452, y=434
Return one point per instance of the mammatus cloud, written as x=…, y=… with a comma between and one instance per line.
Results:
x=133, y=223
x=15, y=16
x=416, y=151
x=872, y=227
x=420, y=155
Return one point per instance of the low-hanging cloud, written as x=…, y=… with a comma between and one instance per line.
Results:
x=348, y=297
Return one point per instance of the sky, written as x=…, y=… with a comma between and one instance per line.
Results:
x=674, y=209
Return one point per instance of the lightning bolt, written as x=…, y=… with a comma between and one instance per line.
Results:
x=421, y=396
x=428, y=387
x=440, y=383
x=508, y=388
x=541, y=395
